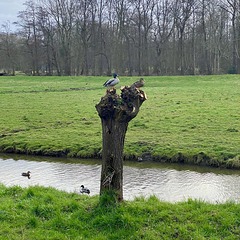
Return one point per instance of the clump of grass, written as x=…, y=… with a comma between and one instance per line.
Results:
x=52, y=214
x=232, y=130
x=107, y=199
x=234, y=162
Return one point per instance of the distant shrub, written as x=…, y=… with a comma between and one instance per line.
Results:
x=232, y=70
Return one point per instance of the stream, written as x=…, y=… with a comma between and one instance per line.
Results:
x=169, y=182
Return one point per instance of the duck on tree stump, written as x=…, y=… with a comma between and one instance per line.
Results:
x=116, y=112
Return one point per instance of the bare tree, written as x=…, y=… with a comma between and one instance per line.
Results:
x=164, y=25
x=62, y=12
x=101, y=45
x=83, y=29
x=183, y=11
x=232, y=7
x=28, y=22
x=48, y=29
x=8, y=49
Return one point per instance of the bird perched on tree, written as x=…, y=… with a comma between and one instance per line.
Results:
x=112, y=82
x=139, y=83
x=84, y=190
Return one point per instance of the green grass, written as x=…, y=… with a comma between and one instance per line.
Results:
x=193, y=119
x=45, y=213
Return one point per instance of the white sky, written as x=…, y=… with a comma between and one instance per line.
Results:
x=9, y=11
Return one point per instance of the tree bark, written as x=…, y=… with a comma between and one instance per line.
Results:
x=115, y=113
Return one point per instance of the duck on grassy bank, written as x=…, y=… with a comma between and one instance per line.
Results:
x=84, y=190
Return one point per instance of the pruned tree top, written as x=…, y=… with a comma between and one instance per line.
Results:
x=121, y=108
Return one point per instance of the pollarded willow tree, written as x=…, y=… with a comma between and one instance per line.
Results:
x=116, y=112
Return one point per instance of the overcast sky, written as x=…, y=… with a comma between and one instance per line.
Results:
x=9, y=10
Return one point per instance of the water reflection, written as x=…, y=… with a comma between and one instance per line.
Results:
x=170, y=183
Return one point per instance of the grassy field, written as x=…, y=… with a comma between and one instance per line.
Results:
x=193, y=119
x=45, y=213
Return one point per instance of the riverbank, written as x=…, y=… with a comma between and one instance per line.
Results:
x=190, y=119
x=40, y=213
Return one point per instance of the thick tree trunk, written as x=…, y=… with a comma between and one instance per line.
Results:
x=115, y=113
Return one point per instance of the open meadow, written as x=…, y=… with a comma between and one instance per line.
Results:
x=193, y=119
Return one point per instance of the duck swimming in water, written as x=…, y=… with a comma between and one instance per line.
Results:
x=111, y=82
x=84, y=190
x=27, y=174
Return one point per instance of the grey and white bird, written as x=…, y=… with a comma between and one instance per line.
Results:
x=84, y=190
x=112, y=82
x=139, y=84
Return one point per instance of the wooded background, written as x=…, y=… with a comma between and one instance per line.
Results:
x=130, y=37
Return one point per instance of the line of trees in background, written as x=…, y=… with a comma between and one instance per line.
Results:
x=130, y=37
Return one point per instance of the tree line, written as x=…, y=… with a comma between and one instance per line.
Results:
x=130, y=37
